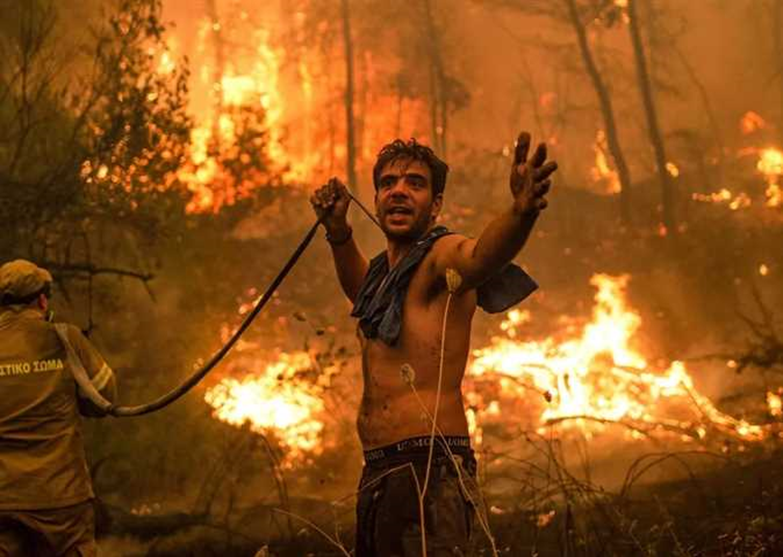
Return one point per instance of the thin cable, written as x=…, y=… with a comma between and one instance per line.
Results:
x=434, y=417
x=453, y=283
x=477, y=505
x=437, y=394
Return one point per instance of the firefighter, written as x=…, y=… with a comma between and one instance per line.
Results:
x=46, y=495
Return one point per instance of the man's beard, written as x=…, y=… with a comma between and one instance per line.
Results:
x=417, y=229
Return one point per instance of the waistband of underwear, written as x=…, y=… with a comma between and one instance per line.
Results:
x=419, y=446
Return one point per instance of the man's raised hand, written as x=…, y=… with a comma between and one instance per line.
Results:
x=530, y=178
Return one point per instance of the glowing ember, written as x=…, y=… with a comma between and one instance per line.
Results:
x=167, y=58
x=725, y=196
x=543, y=519
x=602, y=171
x=597, y=377
x=774, y=195
x=751, y=122
x=775, y=404
x=514, y=319
x=740, y=201
x=276, y=400
x=770, y=164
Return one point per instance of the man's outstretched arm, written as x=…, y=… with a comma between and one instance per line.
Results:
x=332, y=200
x=503, y=238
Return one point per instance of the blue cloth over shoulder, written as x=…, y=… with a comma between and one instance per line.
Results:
x=380, y=299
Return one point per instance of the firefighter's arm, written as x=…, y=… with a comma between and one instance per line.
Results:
x=100, y=374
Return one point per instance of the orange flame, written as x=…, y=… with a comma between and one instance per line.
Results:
x=252, y=85
x=597, y=377
x=775, y=404
x=770, y=164
x=751, y=122
x=725, y=196
x=592, y=377
x=275, y=400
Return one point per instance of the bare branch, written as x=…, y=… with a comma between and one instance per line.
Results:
x=85, y=271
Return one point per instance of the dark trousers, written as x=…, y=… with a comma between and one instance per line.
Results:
x=388, y=512
x=63, y=532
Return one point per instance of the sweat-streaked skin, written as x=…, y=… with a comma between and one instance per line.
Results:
x=390, y=410
x=407, y=209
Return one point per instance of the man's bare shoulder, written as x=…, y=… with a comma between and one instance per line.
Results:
x=448, y=251
x=440, y=249
x=444, y=254
x=448, y=244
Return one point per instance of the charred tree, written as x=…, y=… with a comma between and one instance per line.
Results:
x=607, y=110
x=764, y=350
x=653, y=128
x=708, y=108
x=663, y=42
x=438, y=83
x=350, y=131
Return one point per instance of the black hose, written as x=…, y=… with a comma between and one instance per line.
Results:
x=125, y=411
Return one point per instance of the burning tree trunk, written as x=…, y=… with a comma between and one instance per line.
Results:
x=607, y=111
x=349, y=117
x=777, y=30
x=220, y=63
x=645, y=88
x=438, y=83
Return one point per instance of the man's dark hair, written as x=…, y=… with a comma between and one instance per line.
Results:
x=412, y=151
x=9, y=300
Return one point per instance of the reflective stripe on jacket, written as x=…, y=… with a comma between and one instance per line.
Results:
x=42, y=459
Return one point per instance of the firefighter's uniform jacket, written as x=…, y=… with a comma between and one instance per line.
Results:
x=42, y=459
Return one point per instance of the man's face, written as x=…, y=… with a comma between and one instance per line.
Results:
x=404, y=202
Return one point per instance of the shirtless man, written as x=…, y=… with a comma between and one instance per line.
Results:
x=400, y=299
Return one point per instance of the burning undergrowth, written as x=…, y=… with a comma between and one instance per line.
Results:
x=592, y=376
x=588, y=379
x=284, y=395
x=765, y=160
x=281, y=398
